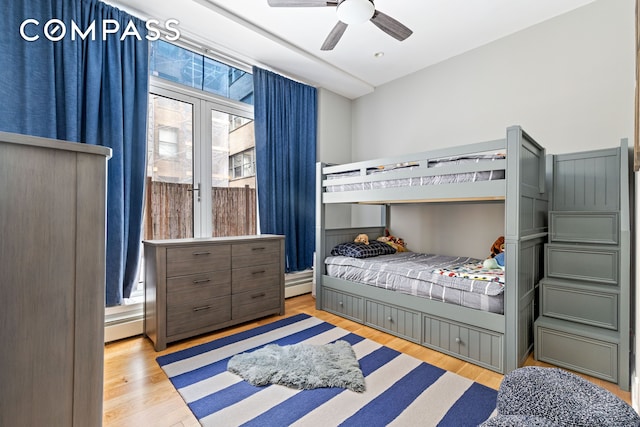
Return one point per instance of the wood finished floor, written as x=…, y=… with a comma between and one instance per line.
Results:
x=138, y=393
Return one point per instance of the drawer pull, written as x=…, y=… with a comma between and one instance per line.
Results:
x=262, y=248
x=341, y=303
x=259, y=272
x=458, y=340
x=260, y=295
x=390, y=319
x=197, y=282
x=204, y=307
x=201, y=253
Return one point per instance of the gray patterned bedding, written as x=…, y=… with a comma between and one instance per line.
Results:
x=449, y=178
x=454, y=280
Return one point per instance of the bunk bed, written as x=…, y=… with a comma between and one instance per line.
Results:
x=499, y=339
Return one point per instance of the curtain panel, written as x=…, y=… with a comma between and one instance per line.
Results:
x=285, y=117
x=91, y=90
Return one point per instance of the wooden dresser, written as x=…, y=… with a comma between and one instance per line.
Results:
x=52, y=259
x=193, y=286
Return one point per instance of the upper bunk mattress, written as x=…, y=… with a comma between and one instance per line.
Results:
x=449, y=178
x=454, y=280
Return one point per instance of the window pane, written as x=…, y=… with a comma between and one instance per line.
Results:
x=168, y=143
x=176, y=64
x=169, y=204
x=247, y=157
x=216, y=77
x=241, y=88
x=192, y=69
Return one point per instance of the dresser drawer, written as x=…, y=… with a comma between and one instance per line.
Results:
x=190, y=315
x=196, y=295
x=254, y=302
x=343, y=304
x=197, y=259
x=216, y=282
x=569, y=350
x=479, y=346
x=256, y=253
x=393, y=319
x=580, y=304
x=256, y=278
x=590, y=264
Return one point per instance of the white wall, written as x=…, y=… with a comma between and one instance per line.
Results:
x=569, y=82
x=334, y=144
x=334, y=128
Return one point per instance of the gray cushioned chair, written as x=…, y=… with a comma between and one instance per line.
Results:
x=536, y=396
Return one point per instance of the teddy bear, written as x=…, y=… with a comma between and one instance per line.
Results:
x=497, y=247
x=362, y=238
x=496, y=257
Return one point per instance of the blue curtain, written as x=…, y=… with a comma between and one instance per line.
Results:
x=285, y=118
x=91, y=91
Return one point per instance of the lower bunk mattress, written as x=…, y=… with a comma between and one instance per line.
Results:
x=454, y=280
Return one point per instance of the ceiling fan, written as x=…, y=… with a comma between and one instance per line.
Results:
x=350, y=12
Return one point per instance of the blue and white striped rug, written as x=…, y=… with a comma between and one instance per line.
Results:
x=401, y=390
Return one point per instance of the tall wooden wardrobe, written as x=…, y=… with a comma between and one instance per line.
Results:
x=52, y=269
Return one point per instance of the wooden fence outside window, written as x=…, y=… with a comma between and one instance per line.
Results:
x=169, y=213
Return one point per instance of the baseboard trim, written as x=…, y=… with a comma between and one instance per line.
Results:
x=125, y=322
x=635, y=389
x=121, y=330
x=292, y=291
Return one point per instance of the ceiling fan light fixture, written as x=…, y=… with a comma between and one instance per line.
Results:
x=355, y=11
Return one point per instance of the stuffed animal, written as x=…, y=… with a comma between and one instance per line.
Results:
x=497, y=247
x=362, y=238
x=496, y=258
x=393, y=241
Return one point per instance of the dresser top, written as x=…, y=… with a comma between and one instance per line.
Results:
x=201, y=240
x=55, y=144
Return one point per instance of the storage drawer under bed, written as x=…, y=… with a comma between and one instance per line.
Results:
x=482, y=347
x=343, y=304
x=398, y=321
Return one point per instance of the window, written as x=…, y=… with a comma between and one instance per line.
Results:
x=168, y=142
x=200, y=134
x=243, y=165
x=200, y=117
x=197, y=105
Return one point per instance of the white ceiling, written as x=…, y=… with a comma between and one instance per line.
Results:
x=288, y=40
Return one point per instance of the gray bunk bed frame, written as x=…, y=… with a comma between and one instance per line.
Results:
x=500, y=342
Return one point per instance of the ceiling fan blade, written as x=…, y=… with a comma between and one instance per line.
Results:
x=301, y=3
x=334, y=36
x=390, y=26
